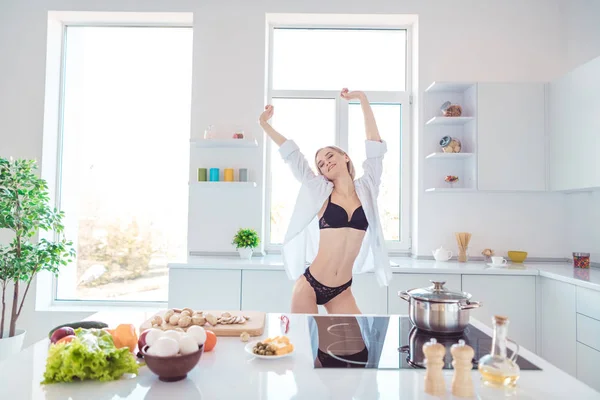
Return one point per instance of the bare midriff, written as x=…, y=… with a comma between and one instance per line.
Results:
x=338, y=249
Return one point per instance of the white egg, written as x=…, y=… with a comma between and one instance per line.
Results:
x=187, y=344
x=165, y=347
x=173, y=335
x=152, y=335
x=198, y=333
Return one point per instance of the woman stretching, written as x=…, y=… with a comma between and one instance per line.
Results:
x=335, y=224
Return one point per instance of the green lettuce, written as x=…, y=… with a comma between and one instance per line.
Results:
x=91, y=355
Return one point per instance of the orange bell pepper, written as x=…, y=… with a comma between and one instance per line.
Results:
x=124, y=335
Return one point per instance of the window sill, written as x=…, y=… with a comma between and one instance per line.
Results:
x=100, y=306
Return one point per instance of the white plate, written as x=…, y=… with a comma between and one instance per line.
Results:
x=250, y=346
x=497, y=265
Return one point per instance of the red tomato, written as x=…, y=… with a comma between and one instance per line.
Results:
x=211, y=341
x=66, y=339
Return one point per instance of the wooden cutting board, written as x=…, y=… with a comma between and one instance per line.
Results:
x=255, y=326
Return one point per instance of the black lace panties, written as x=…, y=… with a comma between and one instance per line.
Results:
x=324, y=293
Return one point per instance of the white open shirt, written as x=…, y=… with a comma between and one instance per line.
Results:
x=301, y=242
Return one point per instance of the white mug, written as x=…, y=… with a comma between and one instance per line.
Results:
x=499, y=261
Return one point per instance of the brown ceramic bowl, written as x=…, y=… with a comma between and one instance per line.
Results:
x=174, y=368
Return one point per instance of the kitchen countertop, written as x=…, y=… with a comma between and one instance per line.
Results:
x=563, y=271
x=230, y=373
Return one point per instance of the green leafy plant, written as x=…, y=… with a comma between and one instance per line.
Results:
x=25, y=210
x=246, y=238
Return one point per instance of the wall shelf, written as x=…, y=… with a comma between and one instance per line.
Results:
x=449, y=86
x=450, y=156
x=449, y=120
x=223, y=184
x=232, y=143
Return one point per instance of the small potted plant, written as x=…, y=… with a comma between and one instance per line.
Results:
x=25, y=210
x=245, y=240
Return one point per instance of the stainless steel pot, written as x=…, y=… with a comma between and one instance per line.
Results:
x=436, y=309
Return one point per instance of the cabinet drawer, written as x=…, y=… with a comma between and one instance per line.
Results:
x=588, y=360
x=588, y=331
x=588, y=302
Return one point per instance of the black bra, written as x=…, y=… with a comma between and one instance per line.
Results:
x=336, y=217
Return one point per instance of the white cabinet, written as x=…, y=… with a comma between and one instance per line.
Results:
x=511, y=138
x=410, y=281
x=202, y=289
x=558, y=324
x=268, y=291
x=370, y=297
x=512, y=296
x=574, y=100
x=588, y=360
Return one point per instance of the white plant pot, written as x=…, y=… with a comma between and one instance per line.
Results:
x=245, y=253
x=11, y=345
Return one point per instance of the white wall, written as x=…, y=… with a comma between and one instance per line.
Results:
x=582, y=44
x=473, y=40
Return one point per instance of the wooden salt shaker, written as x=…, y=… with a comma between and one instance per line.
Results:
x=462, y=383
x=434, y=379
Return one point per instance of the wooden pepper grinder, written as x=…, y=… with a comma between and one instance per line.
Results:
x=434, y=362
x=462, y=383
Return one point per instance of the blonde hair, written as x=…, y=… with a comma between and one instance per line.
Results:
x=349, y=164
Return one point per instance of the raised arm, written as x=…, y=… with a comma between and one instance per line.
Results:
x=289, y=151
x=370, y=124
x=375, y=148
x=264, y=118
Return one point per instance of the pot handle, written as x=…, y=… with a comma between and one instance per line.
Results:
x=470, y=305
x=403, y=295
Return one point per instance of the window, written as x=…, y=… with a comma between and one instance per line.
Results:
x=124, y=159
x=307, y=69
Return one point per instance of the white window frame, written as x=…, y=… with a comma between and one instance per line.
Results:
x=51, y=169
x=395, y=247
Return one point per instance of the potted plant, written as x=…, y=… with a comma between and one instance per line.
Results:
x=25, y=210
x=245, y=240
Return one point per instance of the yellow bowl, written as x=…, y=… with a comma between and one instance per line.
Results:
x=517, y=256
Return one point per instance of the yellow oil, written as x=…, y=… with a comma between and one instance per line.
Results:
x=495, y=378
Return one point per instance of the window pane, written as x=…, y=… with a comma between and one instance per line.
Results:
x=125, y=159
x=311, y=124
x=330, y=59
x=389, y=122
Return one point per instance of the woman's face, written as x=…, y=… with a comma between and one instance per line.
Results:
x=331, y=163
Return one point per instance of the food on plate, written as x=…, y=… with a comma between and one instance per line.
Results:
x=172, y=343
x=91, y=354
x=181, y=319
x=80, y=324
x=211, y=341
x=245, y=336
x=61, y=333
x=275, y=346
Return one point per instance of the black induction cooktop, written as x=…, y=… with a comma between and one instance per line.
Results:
x=384, y=342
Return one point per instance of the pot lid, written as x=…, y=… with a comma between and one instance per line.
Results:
x=438, y=293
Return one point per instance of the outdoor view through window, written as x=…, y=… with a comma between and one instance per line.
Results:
x=125, y=159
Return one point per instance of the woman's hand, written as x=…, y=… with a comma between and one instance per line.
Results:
x=266, y=115
x=356, y=94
